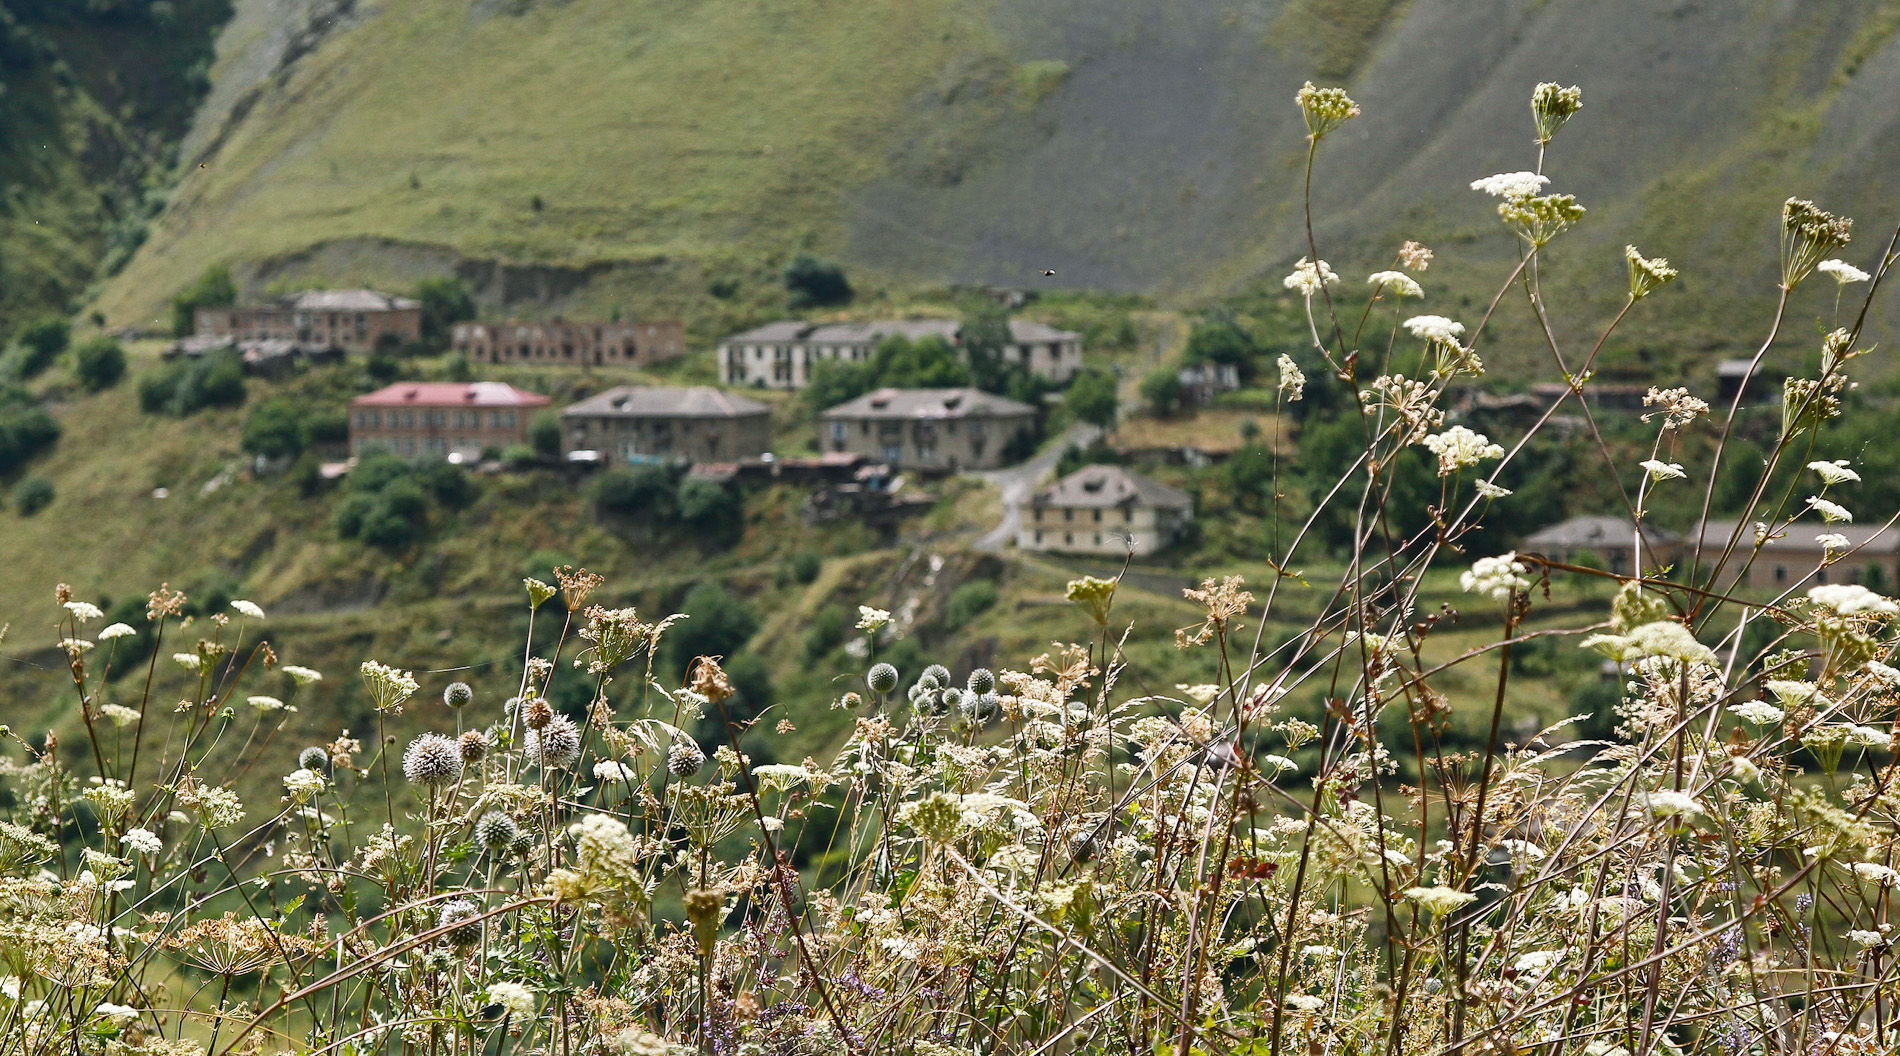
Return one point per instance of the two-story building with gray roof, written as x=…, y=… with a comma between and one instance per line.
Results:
x=352, y=320
x=1105, y=510
x=949, y=430
x=782, y=355
x=636, y=423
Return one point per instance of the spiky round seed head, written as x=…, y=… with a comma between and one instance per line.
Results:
x=313, y=758
x=981, y=681
x=882, y=678
x=927, y=683
x=457, y=695
x=952, y=698
x=474, y=745
x=938, y=672
x=684, y=760
x=556, y=745
x=432, y=760
x=522, y=846
x=496, y=832
x=1081, y=846
x=538, y=714
x=462, y=918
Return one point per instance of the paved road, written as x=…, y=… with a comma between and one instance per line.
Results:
x=1018, y=483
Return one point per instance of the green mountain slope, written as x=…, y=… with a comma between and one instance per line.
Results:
x=587, y=154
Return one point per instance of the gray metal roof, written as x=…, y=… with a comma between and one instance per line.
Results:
x=1798, y=538
x=662, y=401
x=1108, y=486
x=902, y=404
x=866, y=333
x=1593, y=531
x=348, y=301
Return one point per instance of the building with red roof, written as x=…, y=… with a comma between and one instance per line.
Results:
x=439, y=418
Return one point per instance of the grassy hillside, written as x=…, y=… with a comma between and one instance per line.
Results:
x=589, y=155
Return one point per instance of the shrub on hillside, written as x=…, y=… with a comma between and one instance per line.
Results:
x=389, y=500
x=212, y=289
x=544, y=434
x=98, y=363
x=32, y=495
x=636, y=492
x=1091, y=398
x=814, y=283
x=967, y=602
x=714, y=512
x=184, y=389
x=446, y=300
x=26, y=431
x=37, y=345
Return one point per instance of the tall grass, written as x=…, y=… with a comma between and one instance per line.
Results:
x=1054, y=858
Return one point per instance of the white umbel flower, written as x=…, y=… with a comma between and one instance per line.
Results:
x=1440, y=900
x=1459, y=447
x=248, y=608
x=116, y=630
x=1831, y=512
x=1660, y=470
x=1757, y=712
x=1852, y=599
x=140, y=842
x=1435, y=328
x=84, y=611
x=1668, y=803
x=1838, y=471
x=1511, y=184
x=1842, y=271
x=1292, y=380
x=1497, y=576
x=1309, y=277
x=1397, y=283
x=516, y=1001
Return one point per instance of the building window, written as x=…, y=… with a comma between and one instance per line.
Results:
x=837, y=432
x=1781, y=574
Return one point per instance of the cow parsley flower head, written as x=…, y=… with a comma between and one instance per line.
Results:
x=84, y=611
x=1838, y=471
x=1671, y=640
x=1552, y=104
x=1679, y=408
x=1324, y=108
x=1832, y=543
x=1809, y=234
x=1292, y=380
x=1435, y=328
x=1875, y=873
x=1852, y=599
x=1497, y=576
x=1440, y=900
x=1415, y=255
x=1488, y=490
x=248, y=608
x=302, y=783
x=301, y=675
x=1458, y=447
x=1397, y=283
x=1509, y=185
x=1309, y=277
x=1830, y=511
x=1647, y=274
x=116, y=630
x=1842, y=271
x=1757, y=712
x=1660, y=470
x=1667, y=803
x=388, y=687
x=872, y=620
x=516, y=1001
x=140, y=842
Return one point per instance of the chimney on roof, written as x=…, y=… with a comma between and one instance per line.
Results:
x=951, y=401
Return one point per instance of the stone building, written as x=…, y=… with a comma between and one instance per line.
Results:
x=560, y=341
x=440, y=418
x=781, y=355
x=633, y=423
x=931, y=429
x=1605, y=542
x=1105, y=510
x=1870, y=558
x=352, y=320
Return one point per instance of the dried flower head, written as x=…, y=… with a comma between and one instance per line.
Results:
x=709, y=680
x=1309, y=277
x=457, y=694
x=685, y=759
x=576, y=585
x=1415, y=256
x=1292, y=381
x=432, y=761
x=473, y=745
x=537, y=714
x=555, y=746
x=463, y=919
x=1808, y=235
x=496, y=832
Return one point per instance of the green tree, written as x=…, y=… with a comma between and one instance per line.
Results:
x=835, y=381
x=814, y=283
x=1092, y=398
x=1161, y=391
x=446, y=300
x=1222, y=341
x=274, y=429
x=98, y=363
x=984, y=332
x=713, y=511
x=927, y=363
x=212, y=289
x=645, y=493
x=544, y=434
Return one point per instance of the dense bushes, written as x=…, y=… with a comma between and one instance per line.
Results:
x=33, y=494
x=814, y=283
x=662, y=495
x=180, y=389
x=36, y=346
x=98, y=363
x=26, y=430
x=210, y=290
x=389, y=499
x=284, y=426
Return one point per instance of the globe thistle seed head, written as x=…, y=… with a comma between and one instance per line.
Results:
x=952, y=699
x=981, y=681
x=458, y=695
x=1082, y=846
x=882, y=678
x=685, y=760
x=432, y=760
x=538, y=714
x=496, y=832
x=462, y=918
x=556, y=745
x=939, y=673
x=989, y=708
x=313, y=758
x=474, y=746
x=522, y=846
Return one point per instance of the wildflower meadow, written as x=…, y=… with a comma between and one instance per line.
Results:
x=1054, y=857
